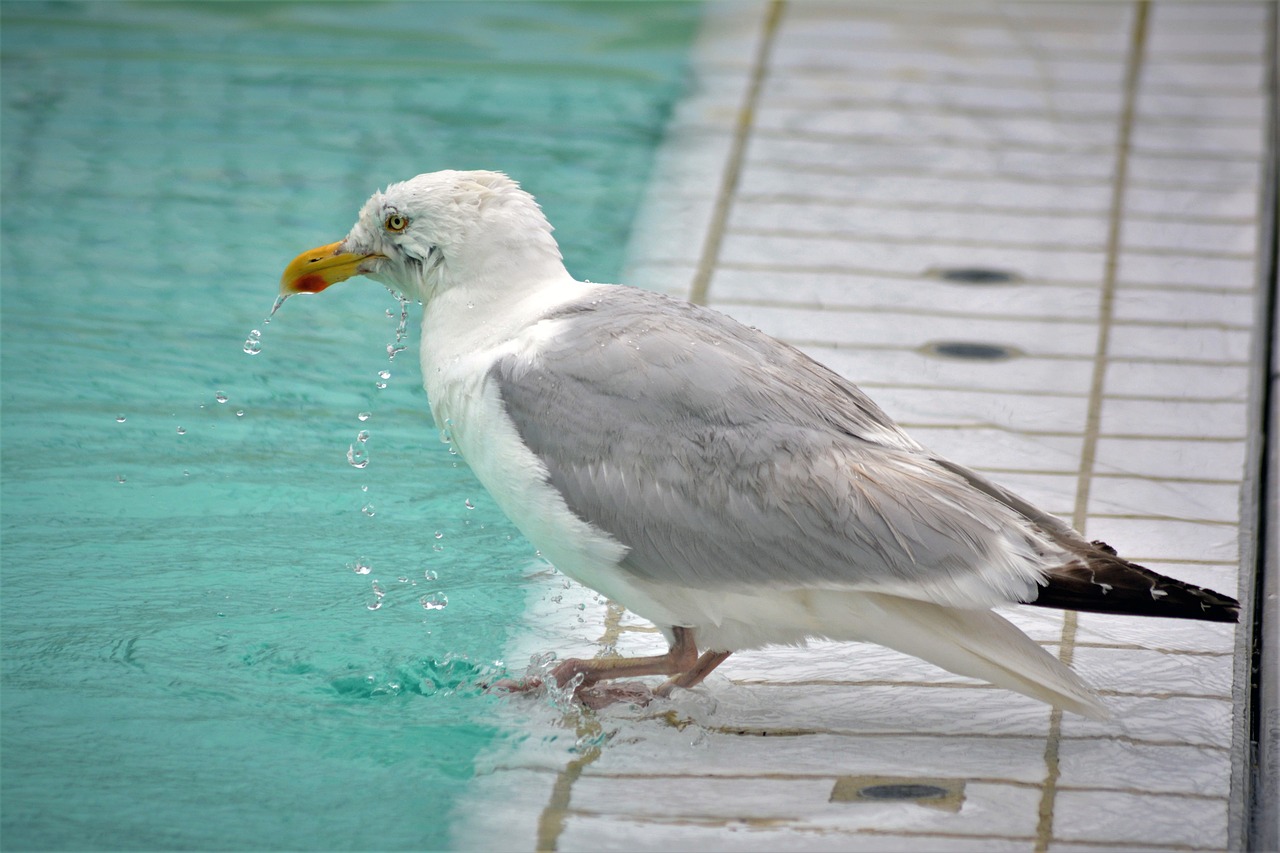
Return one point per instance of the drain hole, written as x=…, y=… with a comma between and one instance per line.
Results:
x=903, y=792
x=970, y=350
x=977, y=275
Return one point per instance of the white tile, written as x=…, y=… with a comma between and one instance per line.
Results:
x=1192, y=720
x=588, y=833
x=797, y=55
x=956, y=96
x=872, y=368
x=1133, y=495
x=1175, y=344
x=1178, y=381
x=1230, y=74
x=872, y=122
x=1173, y=418
x=824, y=660
x=915, y=159
x=1168, y=270
x=1180, y=634
x=987, y=809
x=1107, y=817
x=1143, y=767
x=1228, y=140
x=912, y=259
x=696, y=751
x=914, y=407
x=1042, y=338
x=1087, y=231
x=1171, y=458
x=1182, y=306
x=1201, y=107
x=1190, y=237
x=993, y=449
x=505, y=801
x=1191, y=172
x=1146, y=671
x=1143, y=539
x=1228, y=16
x=1194, y=203
x=1248, y=43
x=853, y=291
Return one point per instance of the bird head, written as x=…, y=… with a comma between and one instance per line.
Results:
x=431, y=232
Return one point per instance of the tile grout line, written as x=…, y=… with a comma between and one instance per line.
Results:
x=1093, y=419
x=718, y=226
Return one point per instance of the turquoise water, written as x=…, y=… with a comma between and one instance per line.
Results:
x=193, y=652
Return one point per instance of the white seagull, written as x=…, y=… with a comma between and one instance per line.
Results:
x=711, y=479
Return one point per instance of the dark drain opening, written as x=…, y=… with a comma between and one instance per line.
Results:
x=903, y=792
x=970, y=350
x=977, y=275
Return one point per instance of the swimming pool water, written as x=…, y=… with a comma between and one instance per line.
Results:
x=193, y=655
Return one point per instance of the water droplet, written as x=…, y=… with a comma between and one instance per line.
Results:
x=361, y=566
x=430, y=575
x=239, y=413
x=434, y=601
x=119, y=478
x=393, y=351
x=362, y=436
x=439, y=535
x=368, y=510
x=182, y=430
x=358, y=456
x=364, y=488
x=119, y=419
x=253, y=343
x=380, y=385
x=468, y=504
x=384, y=374
x=221, y=397
x=276, y=306
x=364, y=416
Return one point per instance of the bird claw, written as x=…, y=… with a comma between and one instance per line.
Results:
x=603, y=695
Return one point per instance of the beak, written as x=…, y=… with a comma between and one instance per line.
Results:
x=313, y=271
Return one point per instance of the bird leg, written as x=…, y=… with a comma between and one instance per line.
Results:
x=693, y=677
x=682, y=656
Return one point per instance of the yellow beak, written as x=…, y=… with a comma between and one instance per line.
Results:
x=314, y=270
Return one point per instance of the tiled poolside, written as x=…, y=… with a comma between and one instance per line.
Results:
x=1038, y=235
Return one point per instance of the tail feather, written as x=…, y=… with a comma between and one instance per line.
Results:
x=975, y=643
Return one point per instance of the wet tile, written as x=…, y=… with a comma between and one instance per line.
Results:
x=854, y=292
x=882, y=329
x=1190, y=237
x=993, y=449
x=1239, y=203
x=1176, y=381
x=1178, y=634
x=1156, y=539
x=1165, y=270
x=1195, y=308
x=873, y=368
x=959, y=225
x=1155, y=672
x=914, y=407
x=921, y=157
x=695, y=750
x=1226, y=140
x=1107, y=817
x=1171, y=458
x=1104, y=763
x=987, y=809
x=1187, y=418
x=911, y=258
x=1175, y=344
x=1182, y=719
x=589, y=833
x=1135, y=495
x=1166, y=170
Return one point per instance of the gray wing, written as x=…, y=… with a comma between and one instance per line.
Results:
x=721, y=457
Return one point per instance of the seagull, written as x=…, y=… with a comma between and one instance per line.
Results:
x=709, y=478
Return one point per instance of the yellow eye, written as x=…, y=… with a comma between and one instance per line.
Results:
x=396, y=222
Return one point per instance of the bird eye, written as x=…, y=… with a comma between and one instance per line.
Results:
x=396, y=222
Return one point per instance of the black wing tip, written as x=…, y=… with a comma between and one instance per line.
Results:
x=1102, y=582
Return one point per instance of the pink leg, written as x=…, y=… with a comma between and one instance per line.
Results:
x=682, y=656
x=693, y=676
